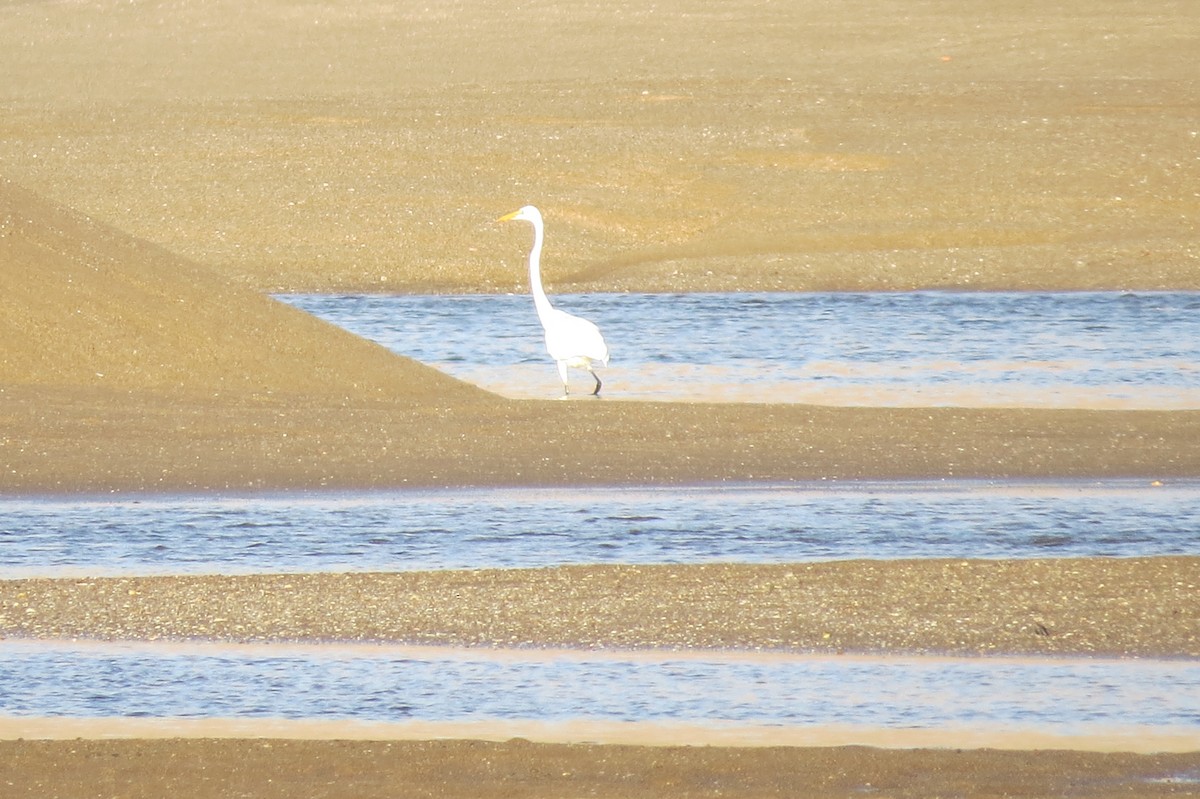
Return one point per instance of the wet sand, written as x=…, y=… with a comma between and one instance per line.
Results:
x=285, y=768
x=1115, y=607
x=1127, y=740
x=1122, y=607
x=164, y=165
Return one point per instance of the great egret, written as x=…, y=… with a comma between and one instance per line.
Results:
x=570, y=340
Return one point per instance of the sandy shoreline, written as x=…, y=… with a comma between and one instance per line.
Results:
x=196, y=732
x=163, y=167
x=278, y=768
x=1068, y=606
x=91, y=440
x=128, y=368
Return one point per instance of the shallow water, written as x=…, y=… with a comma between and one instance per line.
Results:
x=1085, y=349
x=529, y=528
x=1060, y=697
x=1144, y=700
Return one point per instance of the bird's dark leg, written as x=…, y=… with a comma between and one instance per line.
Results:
x=595, y=377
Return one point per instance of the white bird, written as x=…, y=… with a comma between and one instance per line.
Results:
x=570, y=340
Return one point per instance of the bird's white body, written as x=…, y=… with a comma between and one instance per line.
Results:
x=571, y=340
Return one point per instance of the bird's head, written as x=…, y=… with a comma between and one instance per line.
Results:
x=527, y=214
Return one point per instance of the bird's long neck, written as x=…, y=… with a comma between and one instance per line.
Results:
x=540, y=301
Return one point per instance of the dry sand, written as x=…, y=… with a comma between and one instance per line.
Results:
x=165, y=163
x=673, y=146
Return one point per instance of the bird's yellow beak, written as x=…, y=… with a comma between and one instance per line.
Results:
x=508, y=217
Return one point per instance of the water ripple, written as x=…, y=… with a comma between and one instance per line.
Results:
x=112, y=680
x=1080, y=349
x=535, y=527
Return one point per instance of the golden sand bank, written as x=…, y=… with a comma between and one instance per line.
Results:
x=675, y=146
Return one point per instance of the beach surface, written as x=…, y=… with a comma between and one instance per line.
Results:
x=164, y=167
x=1112, y=607
x=129, y=368
x=284, y=768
